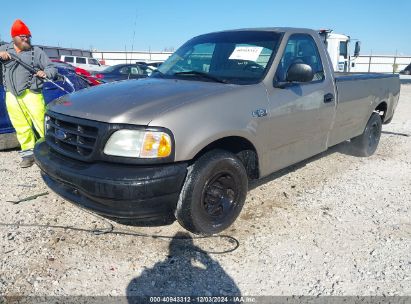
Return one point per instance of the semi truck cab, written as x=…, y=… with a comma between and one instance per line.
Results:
x=338, y=47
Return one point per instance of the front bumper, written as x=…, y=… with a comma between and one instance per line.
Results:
x=114, y=190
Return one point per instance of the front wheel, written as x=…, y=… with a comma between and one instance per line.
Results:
x=213, y=193
x=366, y=143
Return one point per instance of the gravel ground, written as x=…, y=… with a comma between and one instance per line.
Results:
x=332, y=225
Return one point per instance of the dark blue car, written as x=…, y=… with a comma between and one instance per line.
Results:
x=123, y=72
x=71, y=83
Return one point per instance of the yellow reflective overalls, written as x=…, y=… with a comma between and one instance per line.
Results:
x=26, y=112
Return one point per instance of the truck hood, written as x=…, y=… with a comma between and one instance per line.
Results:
x=134, y=101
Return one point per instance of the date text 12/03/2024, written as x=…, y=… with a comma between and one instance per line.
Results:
x=205, y=299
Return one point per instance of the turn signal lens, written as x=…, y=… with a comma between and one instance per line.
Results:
x=165, y=146
x=156, y=144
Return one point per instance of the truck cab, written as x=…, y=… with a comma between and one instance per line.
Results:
x=338, y=47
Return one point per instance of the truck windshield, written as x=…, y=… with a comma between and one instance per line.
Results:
x=240, y=57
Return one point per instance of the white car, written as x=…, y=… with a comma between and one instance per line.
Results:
x=87, y=63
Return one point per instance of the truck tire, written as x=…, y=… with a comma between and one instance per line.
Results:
x=213, y=193
x=366, y=143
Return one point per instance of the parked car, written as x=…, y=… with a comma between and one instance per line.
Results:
x=79, y=71
x=8, y=138
x=122, y=72
x=87, y=63
x=225, y=108
x=407, y=70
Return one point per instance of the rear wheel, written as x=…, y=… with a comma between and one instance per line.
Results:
x=366, y=143
x=213, y=193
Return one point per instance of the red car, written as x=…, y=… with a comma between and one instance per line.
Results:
x=79, y=71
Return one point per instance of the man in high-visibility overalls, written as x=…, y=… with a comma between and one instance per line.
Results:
x=24, y=98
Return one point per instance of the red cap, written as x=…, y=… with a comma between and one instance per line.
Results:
x=19, y=28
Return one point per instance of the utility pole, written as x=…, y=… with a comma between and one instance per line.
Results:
x=395, y=66
x=125, y=51
x=134, y=35
x=369, y=62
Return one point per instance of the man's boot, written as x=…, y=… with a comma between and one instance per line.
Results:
x=27, y=161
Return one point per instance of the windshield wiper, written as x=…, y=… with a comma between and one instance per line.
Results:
x=201, y=74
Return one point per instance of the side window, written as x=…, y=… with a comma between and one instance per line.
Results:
x=146, y=70
x=124, y=70
x=301, y=48
x=135, y=71
x=81, y=60
x=344, y=49
x=68, y=59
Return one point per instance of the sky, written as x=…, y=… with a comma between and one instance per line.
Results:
x=382, y=26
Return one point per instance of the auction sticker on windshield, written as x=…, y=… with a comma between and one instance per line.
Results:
x=246, y=53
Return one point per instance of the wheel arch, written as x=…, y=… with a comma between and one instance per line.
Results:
x=381, y=109
x=240, y=146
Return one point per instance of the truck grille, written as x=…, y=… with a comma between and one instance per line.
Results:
x=84, y=139
x=75, y=138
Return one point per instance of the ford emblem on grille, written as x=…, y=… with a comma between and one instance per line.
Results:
x=60, y=134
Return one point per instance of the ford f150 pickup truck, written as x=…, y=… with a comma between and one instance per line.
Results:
x=225, y=108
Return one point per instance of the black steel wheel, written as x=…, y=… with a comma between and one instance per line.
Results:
x=220, y=195
x=366, y=143
x=213, y=193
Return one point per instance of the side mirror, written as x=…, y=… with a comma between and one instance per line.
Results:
x=357, y=49
x=300, y=72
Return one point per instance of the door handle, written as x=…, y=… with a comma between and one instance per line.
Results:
x=328, y=98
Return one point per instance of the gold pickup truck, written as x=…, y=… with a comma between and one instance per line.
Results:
x=225, y=108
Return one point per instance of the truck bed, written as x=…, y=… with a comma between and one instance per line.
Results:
x=357, y=95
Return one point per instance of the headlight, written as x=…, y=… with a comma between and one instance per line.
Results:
x=139, y=143
x=46, y=124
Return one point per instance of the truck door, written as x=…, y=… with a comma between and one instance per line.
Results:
x=343, y=58
x=301, y=113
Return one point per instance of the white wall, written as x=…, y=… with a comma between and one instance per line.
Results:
x=364, y=63
x=380, y=64
x=116, y=57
